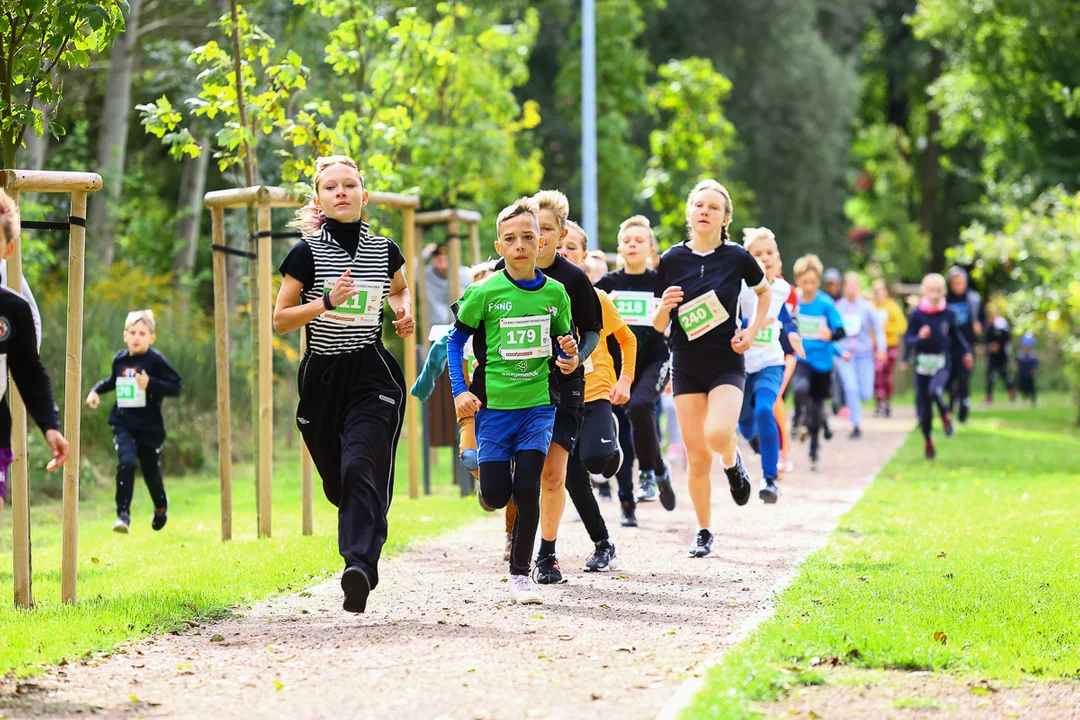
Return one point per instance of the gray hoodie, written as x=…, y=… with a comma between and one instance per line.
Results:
x=862, y=326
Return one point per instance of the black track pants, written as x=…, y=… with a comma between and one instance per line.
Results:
x=644, y=394
x=129, y=451
x=812, y=390
x=350, y=414
x=625, y=476
x=595, y=446
x=499, y=485
x=930, y=394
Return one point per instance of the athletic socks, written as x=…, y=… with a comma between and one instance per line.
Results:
x=547, y=547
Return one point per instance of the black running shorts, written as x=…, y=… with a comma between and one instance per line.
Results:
x=701, y=371
x=567, y=427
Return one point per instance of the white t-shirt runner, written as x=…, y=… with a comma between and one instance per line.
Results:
x=766, y=351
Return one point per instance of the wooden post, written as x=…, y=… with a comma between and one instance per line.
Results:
x=474, y=240
x=221, y=337
x=412, y=408
x=69, y=563
x=453, y=250
x=19, y=471
x=418, y=284
x=265, y=374
x=306, y=474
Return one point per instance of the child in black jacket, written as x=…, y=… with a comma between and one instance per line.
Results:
x=932, y=329
x=142, y=378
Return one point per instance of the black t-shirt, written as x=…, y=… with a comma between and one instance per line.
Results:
x=652, y=346
x=585, y=311
x=722, y=270
x=300, y=263
x=145, y=423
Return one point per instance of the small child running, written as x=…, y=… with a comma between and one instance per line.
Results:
x=932, y=330
x=516, y=318
x=142, y=379
x=19, y=354
x=1027, y=365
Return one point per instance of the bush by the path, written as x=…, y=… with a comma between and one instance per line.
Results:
x=966, y=565
x=150, y=582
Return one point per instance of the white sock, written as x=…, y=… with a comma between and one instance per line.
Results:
x=733, y=462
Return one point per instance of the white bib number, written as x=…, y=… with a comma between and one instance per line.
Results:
x=636, y=308
x=765, y=336
x=701, y=315
x=811, y=325
x=129, y=394
x=852, y=325
x=361, y=310
x=525, y=338
x=929, y=364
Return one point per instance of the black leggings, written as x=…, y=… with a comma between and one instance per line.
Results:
x=130, y=450
x=930, y=392
x=997, y=366
x=812, y=390
x=625, y=476
x=499, y=485
x=958, y=381
x=641, y=410
x=594, y=450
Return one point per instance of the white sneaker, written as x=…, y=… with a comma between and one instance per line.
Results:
x=522, y=591
x=790, y=467
x=509, y=546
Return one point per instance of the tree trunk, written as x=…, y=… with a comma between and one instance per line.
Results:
x=112, y=140
x=931, y=181
x=190, y=207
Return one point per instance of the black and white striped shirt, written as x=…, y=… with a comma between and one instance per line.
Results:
x=318, y=261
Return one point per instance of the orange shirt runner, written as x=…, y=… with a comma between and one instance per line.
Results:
x=600, y=367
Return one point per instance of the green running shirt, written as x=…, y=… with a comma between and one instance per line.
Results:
x=515, y=333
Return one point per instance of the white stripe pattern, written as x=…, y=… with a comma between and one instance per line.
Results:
x=371, y=265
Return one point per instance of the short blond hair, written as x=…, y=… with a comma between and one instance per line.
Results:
x=521, y=206
x=932, y=280
x=808, y=263
x=750, y=236
x=556, y=202
x=144, y=316
x=636, y=221
x=571, y=225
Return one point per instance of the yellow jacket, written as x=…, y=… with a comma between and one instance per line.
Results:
x=894, y=320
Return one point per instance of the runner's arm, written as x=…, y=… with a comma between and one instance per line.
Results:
x=29, y=374
x=455, y=356
x=164, y=381
x=628, y=347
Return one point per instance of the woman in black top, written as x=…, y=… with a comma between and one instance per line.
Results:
x=352, y=392
x=702, y=278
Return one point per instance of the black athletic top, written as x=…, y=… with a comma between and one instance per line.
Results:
x=145, y=422
x=722, y=270
x=587, y=316
x=19, y=354
x=651, y=345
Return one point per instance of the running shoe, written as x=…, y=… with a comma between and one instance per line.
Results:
x=702, y=544
x=603, y=489
x=755, y=444
x=946, y=422
x=123, y=523
x=509, y=547
x=470, y=460
x=480, y=500
x=814, y=459
x=804, y=433
x=855, y=434
x=739, y=481
x=965, y=407
x=161, y=516
x=768, y=492
x=647, y=483
x=888, y=409
x=667, y=493
x=931, y=452
x=827, y=431
x=523, y=592
x=356, y=586
x=547, y=571
x=603, y=558
x=629, y=514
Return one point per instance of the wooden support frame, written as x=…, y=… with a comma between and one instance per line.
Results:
x=78, y=185
x=266, y=198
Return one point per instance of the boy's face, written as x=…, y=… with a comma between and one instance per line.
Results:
x=519, y=242
x=572, y=247
x=766, y=252
x=808, y=282
x=552, y=234
x=139, y=338
x=635, y=246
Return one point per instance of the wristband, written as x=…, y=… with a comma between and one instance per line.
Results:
x=326, y=301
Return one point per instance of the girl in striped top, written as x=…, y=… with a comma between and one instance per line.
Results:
x=352, y=392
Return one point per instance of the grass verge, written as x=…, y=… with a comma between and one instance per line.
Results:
x=964, y=565
x=131, y=586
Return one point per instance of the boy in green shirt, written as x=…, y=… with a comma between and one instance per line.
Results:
x=519, y=319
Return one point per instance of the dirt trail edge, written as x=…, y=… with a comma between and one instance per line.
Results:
x=441, y=639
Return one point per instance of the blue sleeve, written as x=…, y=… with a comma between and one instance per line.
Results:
x=787, y=321
x=434, y=365
x=455, y=354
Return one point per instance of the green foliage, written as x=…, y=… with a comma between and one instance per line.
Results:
x=692, y=141
x=1036, y=248
x=38, y=39
x=956, y=547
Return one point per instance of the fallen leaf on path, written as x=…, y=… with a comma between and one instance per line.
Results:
x=604, y=607
x=941, y=637
x=132, y=698
x=565, y=637
x=943, y=554
x=278, y=685
x=305, y=594
x=625, y=648
x=980, y=690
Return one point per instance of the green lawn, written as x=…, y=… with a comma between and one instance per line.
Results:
x=150, y=582
x=965, y=565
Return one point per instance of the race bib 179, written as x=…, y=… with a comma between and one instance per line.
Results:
x=525, y=338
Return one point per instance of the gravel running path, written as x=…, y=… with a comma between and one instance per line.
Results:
x=441, y=639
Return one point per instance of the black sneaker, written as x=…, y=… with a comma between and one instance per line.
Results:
x=768, y=492
x=161, y=516
x=755, y=444
x=547, y=571
x=827, y=431
x=855, y=434
x=603, y=489
x=962, y=416
x=357, y=587
x=702, y=544
x=603, y=558
x=888, y=409
x=739, y=481
x=629, y=514
x=947, y=423
x=667, y=493
x=123, y=523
